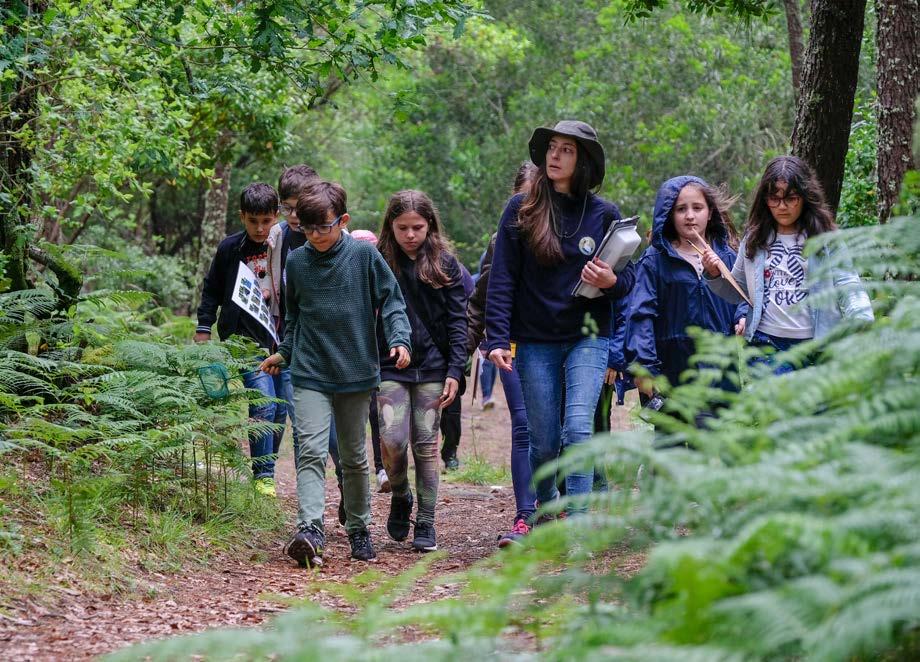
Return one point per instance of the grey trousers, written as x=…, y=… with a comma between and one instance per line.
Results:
x=313, y=417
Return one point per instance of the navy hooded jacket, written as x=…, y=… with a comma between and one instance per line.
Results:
x=669, y=297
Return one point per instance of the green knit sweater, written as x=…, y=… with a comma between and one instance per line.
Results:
x=330, y=334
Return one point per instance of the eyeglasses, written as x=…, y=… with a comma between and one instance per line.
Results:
x=287, y=210
x=790, y=199
x=321, y=229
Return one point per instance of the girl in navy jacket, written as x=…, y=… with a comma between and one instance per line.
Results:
x=670, y=294
x=545, y=243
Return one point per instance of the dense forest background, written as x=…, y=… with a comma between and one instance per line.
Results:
x=127, y=130
x=150, y=166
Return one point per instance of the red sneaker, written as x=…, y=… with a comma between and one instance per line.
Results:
x=518, y=531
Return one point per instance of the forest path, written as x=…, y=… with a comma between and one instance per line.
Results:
x=242, y=589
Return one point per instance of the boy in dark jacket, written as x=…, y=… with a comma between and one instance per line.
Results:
x=259, y=212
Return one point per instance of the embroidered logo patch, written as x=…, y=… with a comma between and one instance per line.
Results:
x=586, y=245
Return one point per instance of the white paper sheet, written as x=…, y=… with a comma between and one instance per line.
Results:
x=247, y=294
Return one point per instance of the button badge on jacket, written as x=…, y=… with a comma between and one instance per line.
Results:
x=586, y=245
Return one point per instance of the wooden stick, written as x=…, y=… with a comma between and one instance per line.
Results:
x=723, y=270
x=474, y=369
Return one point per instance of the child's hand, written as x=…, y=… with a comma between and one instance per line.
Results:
x=712, y=265
x=501, y=358
x=202, y=336
x=645, y=386
x=451, y=387
x=599, y=274
x=402, y=356
x=272, y=365
x=610, y=376
x=266, y=293
x=739, y=327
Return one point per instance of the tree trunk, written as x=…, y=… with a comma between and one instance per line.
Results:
x=898, y=42
x=796, y=43
x=214, y=219
x=19, y=107
x=821, y=132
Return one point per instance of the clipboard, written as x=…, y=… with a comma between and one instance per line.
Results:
x=615, y=250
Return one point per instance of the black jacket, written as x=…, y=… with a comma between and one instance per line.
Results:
x=438, y=320
x=476, y=308
x=217, y=291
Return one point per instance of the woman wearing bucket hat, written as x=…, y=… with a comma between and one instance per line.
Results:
x=546, y=240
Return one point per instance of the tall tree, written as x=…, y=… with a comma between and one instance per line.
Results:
x=796, y=42
x=898, y=40
x=821, y=132
x=830, y=73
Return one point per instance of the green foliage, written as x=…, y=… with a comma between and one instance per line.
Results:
x=858, y=197
x=104, y=410
x=477, y=470
x=746, y=9
x=789, y=533
x=670, y=94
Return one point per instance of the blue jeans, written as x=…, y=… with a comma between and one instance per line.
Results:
x=262, y=445
x=760, y=339
x=520, y=444
x=540, y=365
x=287, y=392
x=487, y=379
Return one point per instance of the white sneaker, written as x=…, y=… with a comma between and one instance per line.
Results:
x=488, y=404
x=383, y=481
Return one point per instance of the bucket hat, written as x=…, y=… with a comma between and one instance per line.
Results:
x=583, y=132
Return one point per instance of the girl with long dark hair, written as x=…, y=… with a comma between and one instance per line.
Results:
x=545, y=245
x=410, y=400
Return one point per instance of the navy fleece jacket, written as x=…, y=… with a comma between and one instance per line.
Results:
x=669, y=297
x=530, y=302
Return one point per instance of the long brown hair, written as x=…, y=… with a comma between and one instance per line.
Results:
x=720, y=221
x=428, y=262
x=816, y=217
x=534, y=214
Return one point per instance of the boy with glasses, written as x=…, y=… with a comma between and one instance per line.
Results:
x=284, y=238
x=334, y=285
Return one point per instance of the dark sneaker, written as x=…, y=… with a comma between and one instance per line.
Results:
x=452, y=463
x=400, y=511
x=306, y=546
x=548, y=518
x=342, y=515
x=424, y=539
x=361, y=547
x=518, y=531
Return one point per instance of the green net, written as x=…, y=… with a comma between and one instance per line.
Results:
x=215, y=381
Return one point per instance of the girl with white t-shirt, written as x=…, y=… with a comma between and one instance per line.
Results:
x=788, y=208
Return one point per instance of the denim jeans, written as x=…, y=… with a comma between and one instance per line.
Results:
x=520, y=444
x=287, y=392
x=487, y=379
x=760, y=339
x=540, y=365
x=315, y=413
x=262, y=445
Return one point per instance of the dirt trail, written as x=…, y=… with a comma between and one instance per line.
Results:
x=234, y=590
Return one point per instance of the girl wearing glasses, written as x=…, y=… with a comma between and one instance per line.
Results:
x=788, y=208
